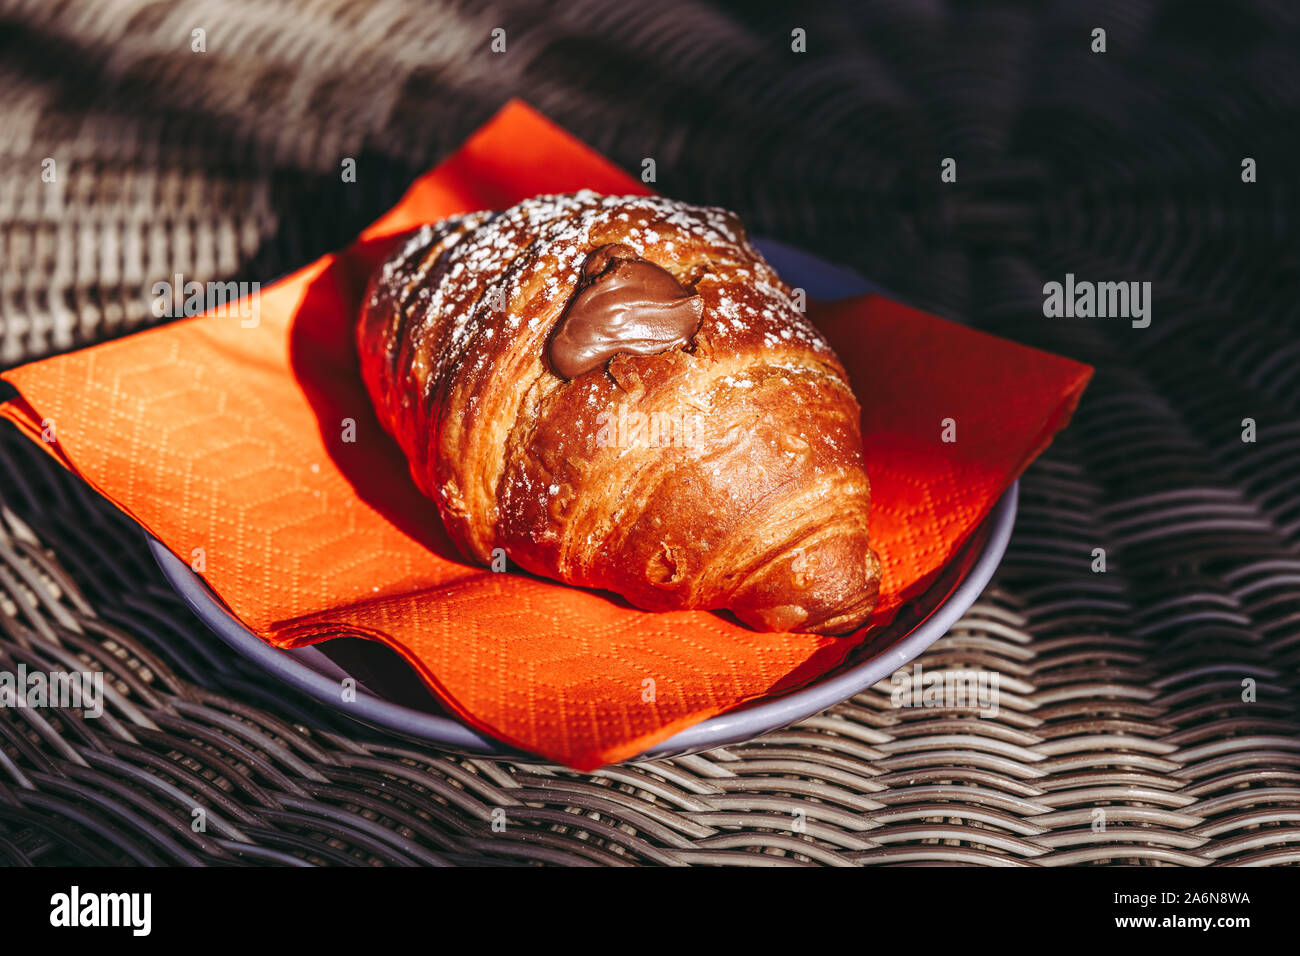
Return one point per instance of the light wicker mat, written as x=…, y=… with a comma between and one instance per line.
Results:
x=1106, y=713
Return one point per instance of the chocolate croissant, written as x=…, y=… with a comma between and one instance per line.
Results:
x=619, y=392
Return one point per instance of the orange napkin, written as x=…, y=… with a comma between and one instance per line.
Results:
x=228, y=444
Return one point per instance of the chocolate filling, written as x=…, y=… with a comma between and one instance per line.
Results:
x=623, y=303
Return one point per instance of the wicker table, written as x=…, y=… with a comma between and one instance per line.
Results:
x=1122, y=734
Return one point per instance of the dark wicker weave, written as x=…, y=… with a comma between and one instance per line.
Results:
x=1121, y=691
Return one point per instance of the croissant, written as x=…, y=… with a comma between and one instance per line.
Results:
x=618, y=392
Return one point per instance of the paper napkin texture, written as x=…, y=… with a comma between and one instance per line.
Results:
x=253, y=453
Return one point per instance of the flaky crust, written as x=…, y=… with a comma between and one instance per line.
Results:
x=726, y=475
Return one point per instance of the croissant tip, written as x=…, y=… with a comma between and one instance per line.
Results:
x=795, y=619
x=839, y=602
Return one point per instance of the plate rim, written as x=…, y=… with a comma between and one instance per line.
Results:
x=743, y=722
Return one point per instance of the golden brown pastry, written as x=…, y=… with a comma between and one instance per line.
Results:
x=620, y=393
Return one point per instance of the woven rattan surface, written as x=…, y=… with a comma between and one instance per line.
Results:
x=1148, y=714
